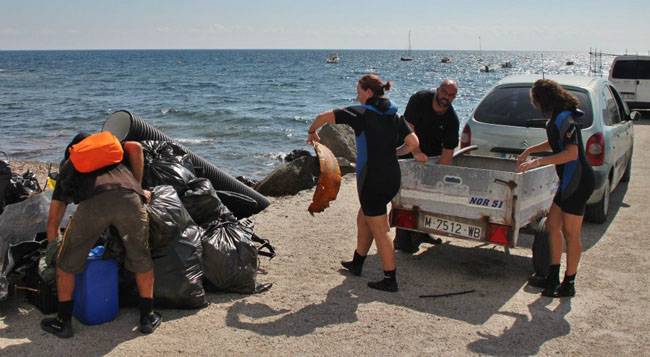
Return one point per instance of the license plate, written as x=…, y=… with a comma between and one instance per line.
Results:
x=452, y=227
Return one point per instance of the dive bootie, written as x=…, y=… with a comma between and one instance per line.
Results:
x=552, y=281
x=566, y=290
x=150, y=322
x=389, y=285
x=57, y=326
x=355, y=266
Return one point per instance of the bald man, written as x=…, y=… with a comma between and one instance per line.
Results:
x=434, y=120
x=431, y=116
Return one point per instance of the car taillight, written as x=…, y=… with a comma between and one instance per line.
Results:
x=596, y=149
x=498, y=234
x=403, y=218
x=466, y=137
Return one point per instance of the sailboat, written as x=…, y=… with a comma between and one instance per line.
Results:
x=333, y=58
x=408, y=54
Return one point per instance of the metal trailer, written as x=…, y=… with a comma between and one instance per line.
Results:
x=477, y=198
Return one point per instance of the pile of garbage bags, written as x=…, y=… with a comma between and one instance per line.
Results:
x=24, y=210
x=200, y=238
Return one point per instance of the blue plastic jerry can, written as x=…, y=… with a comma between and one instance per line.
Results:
x=96, y=290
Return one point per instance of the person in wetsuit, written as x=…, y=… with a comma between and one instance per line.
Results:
x=378, y=130
x=576, y=180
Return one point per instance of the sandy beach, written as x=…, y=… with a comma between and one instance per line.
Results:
x=316, y=309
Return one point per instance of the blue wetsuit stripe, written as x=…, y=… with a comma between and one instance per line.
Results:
x=569, y=168
x=392, y=110
x=362, y=156
x=567, y=175
x=559, y=123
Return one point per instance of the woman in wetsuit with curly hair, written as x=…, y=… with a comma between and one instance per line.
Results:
x=378, y=130
x=564, y=219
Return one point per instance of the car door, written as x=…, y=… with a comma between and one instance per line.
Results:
x=626, y=123
x=617, y=138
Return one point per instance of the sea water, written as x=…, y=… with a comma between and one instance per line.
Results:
x=241, y=109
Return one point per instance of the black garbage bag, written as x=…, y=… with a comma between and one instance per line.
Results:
x=21, y=186
x=230, y=258
x=240, y=205
x=203, y=203
x=176, y=253
x=167, y=217
x=178, y=273
x=21, y=222
x=23, y=257
x=5, y=178
x=165, y=163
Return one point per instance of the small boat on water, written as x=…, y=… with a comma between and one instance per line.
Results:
x=486, y=69
x=506, y=64
x=570, y=63
x=333, y=58
x=445, y=60
x=408, y=54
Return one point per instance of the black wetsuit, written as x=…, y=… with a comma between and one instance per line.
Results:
x=435, y=131
x=379, y=131
x=576, y=177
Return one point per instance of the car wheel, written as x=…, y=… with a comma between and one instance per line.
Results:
x=628, y=171
x=597, y=213
x=406, y=241
x=541, y=250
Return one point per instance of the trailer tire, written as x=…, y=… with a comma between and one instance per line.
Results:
x=406, y=241
x=541, y=250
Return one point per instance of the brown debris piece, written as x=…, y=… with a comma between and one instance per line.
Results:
x=329, y=181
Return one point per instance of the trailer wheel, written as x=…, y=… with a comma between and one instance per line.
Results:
x=541, y=250
x=406, y=241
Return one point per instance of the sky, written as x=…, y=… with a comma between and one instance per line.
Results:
x=610, y=26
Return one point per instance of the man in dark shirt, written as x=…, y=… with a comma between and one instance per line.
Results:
x=434, y=120
x=108, y=196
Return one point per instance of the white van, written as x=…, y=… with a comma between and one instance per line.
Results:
x=630, y=74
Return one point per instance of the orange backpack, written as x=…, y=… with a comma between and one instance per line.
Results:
x=96, y=151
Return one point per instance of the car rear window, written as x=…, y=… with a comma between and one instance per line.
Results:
x=512, y=106
x=631, y=69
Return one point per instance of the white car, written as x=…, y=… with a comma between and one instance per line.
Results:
x=505, y=122
x=631, y=77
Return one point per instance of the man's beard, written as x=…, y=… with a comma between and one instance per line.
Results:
x=440, y=103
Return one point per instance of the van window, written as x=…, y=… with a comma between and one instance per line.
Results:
x=511, y=106
x=631, y=69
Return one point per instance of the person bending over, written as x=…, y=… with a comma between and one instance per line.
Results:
x=109, y=196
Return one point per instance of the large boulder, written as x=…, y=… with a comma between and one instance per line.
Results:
x=346, y=166
x=290, y=178
x=339, y=138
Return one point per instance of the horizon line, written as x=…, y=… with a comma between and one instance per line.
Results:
x=282, y=49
